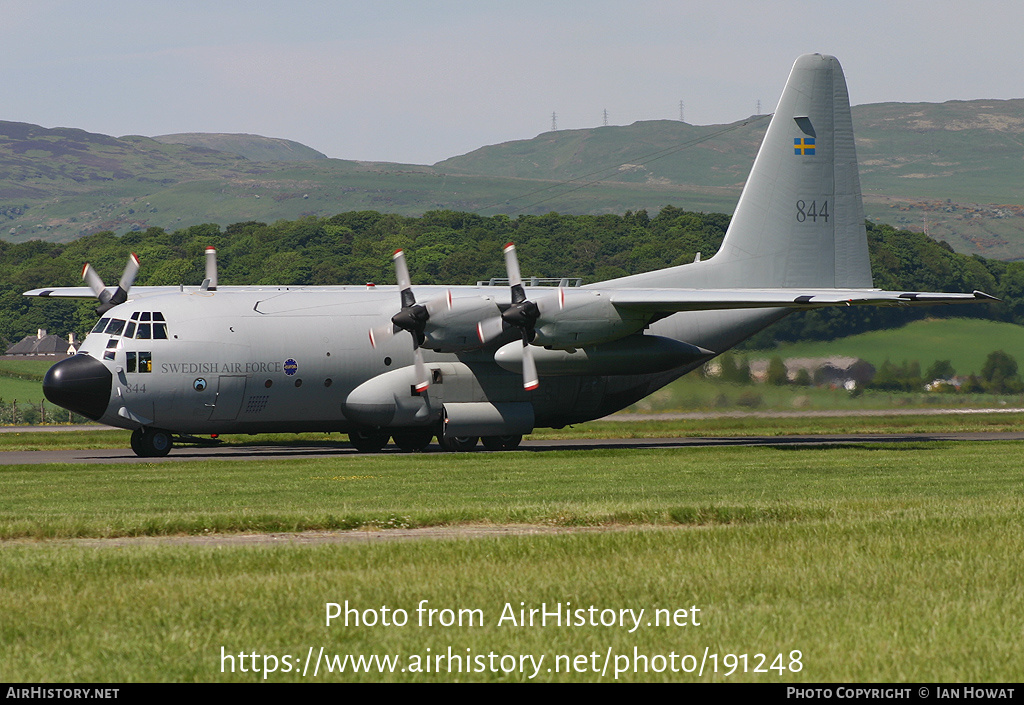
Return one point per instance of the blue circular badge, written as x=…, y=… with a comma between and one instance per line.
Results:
x=290, y=367
x=199, y=385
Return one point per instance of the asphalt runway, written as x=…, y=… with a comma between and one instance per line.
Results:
x=300, y=450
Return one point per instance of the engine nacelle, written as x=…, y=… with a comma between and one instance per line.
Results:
x=452, y=327
x=637, y=354
x=573, y=318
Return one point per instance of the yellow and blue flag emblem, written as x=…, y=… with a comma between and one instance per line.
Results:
x=803, y=145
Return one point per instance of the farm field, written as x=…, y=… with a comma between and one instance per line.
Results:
x=966, y=342
x=875, y=562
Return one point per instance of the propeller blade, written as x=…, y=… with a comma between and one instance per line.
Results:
x=440, y=305
x=551, y=304
x=422, y=376
x=515, y=281
x=512, y=265
x=522, y=314
x=381, y=334
x=530, y=379
x=95, y=283
x=489, y=329
x=131, y=270
x=402, y=275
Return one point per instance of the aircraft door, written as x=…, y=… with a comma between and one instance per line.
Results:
x=228, y=402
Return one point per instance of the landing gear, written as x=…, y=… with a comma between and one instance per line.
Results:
x=412, y=439
x=151, y=442
x=501, y=442
x=458, y=444
x=368, y=441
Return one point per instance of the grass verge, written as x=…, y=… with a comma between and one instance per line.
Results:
x=878, y=563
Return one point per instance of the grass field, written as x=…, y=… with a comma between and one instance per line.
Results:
x=964, y=341
x=895, y=562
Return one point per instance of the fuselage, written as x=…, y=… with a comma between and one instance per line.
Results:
x=289, y=360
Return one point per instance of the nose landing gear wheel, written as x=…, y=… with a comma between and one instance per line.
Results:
x=151, y=442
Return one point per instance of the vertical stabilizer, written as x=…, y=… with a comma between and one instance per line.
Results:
x=800, y=219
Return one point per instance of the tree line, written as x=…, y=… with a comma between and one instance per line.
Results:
x=450, y=247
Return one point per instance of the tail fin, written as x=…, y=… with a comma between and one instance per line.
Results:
x=800, y=218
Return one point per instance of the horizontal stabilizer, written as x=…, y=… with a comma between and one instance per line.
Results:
x=675, y=300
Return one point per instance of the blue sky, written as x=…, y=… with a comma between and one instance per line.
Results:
x=417, y=82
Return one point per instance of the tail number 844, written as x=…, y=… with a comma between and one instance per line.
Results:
x=812, y=212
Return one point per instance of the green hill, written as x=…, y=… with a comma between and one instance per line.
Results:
x=951, y=169
x=252, y=147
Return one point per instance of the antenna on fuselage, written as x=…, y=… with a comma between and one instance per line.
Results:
x=210, y=283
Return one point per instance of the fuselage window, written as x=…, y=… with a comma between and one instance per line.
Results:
x=100, y=325
x=115, y=327
x=129, y=331
x=145, y=362
x=130, y=362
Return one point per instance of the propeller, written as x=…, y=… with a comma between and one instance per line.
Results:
x=109, y=300
x=411, y=317
x=522, y=314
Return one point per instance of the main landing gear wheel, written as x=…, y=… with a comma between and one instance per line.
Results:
x=368, y=441
x=151, y=442
x=501, y=442
x=458, y=444
x=412, y=439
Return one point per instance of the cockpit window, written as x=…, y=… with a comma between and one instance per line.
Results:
x=100, y=325
x=115, y=327
x=140, y=327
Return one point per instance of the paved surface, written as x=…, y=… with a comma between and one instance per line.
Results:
x=299, y=450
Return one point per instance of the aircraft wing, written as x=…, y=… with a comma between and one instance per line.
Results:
x=138, y=292
x=84, y=292
x=674, y=300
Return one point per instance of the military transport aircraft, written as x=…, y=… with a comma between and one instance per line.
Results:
x=484, y=362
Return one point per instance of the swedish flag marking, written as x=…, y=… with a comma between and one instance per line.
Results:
x=803, y=145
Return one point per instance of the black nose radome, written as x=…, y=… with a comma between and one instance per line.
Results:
x=80, y=384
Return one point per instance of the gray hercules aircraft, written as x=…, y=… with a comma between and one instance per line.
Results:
x=484, y=362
